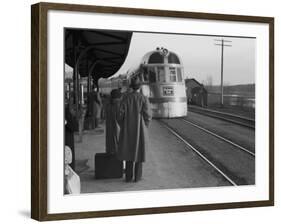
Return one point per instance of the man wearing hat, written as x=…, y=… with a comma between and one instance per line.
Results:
x=134, y=118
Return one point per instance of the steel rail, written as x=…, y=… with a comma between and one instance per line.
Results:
x=221, y=112
x=222, y=118
x=200, y=154
x=219, y=137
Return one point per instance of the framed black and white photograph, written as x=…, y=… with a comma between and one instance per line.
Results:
x=138, y=111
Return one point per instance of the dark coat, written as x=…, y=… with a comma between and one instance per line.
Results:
x=134, y=118
x=70, y=127
x=112, y=126
x=95, y=104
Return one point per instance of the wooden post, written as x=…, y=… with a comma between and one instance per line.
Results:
x=222, y=44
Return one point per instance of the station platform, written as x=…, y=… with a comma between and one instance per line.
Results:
x=169, y=164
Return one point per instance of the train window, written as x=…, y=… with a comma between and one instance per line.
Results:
x=152, y=75
x=161, y=74
x=173, y=74
x=145, y=75
x=124, y=82
x=179, y=75
x=141, y=77
x=156, y=58
x=173, y=59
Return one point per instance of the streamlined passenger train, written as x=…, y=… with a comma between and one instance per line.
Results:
x=162, y=80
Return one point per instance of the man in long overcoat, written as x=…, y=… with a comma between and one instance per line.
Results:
x=134, y=118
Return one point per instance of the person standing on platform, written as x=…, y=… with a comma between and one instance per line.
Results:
x=94, y=109
x=134, y=118
x=97, y=107
x=112, y=126
x=71, y=125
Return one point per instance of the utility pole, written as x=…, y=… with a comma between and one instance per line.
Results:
x=221, y=42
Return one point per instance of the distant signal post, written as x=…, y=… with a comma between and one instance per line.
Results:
x=221, y=42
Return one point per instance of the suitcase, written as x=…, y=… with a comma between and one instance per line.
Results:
x=107, y=166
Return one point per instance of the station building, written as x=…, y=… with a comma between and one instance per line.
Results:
x=196, y=93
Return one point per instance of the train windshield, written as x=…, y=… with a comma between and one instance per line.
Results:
x=161, y=74
x=175, y=74
x=158, y=74
x=151, y=75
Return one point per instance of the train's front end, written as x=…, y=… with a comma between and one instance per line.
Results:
x=163, y=82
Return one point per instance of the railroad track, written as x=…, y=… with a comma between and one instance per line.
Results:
x=232, y=118
x=226, y=172
x=219, y=137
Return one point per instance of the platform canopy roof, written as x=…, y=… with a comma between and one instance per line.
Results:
x=108, y=49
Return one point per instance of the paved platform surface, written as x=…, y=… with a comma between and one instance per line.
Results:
x=169, y=164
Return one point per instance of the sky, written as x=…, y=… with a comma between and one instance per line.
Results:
x=200, y=56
